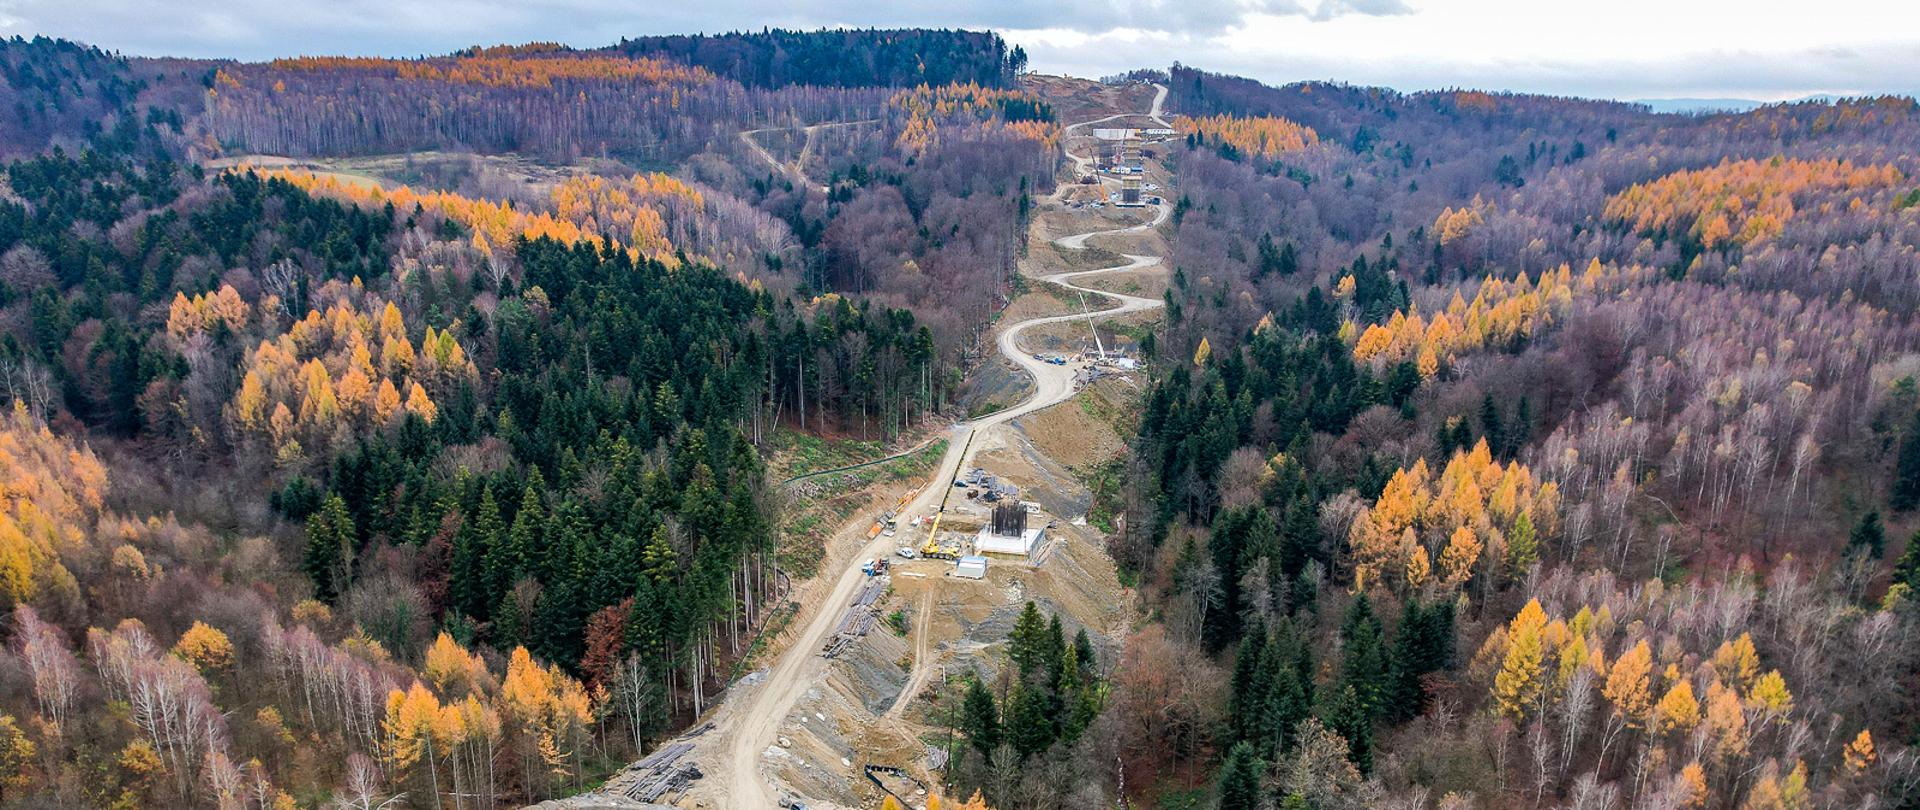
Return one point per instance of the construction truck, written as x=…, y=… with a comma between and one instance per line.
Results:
x=933, y=549
x=936, y=550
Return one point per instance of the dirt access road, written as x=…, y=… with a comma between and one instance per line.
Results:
x=797, y=170
x=922, y=657
x=749, y=720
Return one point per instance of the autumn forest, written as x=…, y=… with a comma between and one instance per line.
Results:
x=1491, y=450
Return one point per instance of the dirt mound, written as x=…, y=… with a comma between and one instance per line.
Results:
x=1147, y=283
x=1083, y=99
x=1076, y=338
x=1044, y=300
x=971, y=619
x=1057, y=221
x=872, y=671
x=993, y=386
x=1082, y=432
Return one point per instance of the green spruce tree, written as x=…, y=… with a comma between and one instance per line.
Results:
x=1030, y=720
x=980, y=718
x=1246, y=688
x=1364, y=665
x=1905, y=492
x=1348, y=716
x=1869, y=536
x=1027, y=644
x=1424, y=645
x=330, y=546
x=1240, y=779
x=1907, y=568
x=514, y=558
x=1491, y=426
x=472, y=591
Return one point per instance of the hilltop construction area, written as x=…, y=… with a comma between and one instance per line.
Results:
x=851, y=702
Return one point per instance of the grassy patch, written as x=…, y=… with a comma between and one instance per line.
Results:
x=1071, y=298
x=1105, y=410
x=774, y=626
x=1135, y=331
x=792, y=452
x=595, y=770
x=1092, y=258
x=817, y=506
x=1106, y=482
x=984, y=409
x=1182, y=798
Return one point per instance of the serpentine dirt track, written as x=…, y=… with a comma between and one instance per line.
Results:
x=794, y=170
x=749, y=720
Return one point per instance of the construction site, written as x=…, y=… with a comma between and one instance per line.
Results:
x=923, y=589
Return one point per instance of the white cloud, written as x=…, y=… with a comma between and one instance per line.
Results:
x=1621, y=49
x=1329, y=9
x=1764, y=49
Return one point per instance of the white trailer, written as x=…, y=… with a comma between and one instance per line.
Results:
x=972, y=566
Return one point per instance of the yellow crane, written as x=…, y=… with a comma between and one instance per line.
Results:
x=932, y=548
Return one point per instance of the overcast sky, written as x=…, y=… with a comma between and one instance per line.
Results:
x=1759, y=49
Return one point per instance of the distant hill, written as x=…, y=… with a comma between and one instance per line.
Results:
x=843, y=57
x=1722, y=105
x=1698, y=105
x=52, y=89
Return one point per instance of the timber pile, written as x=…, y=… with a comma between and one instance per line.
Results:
x=895, y=782
x=659, y=773
x=673, y=781
x=859, y=618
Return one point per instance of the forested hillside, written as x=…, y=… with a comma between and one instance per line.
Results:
x=398, y=429
x=52, y=88
x=555, y=104
x=843, y=58
x=1515, y=451
x=645, y=98
x=921, y=197
x=326, y=488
